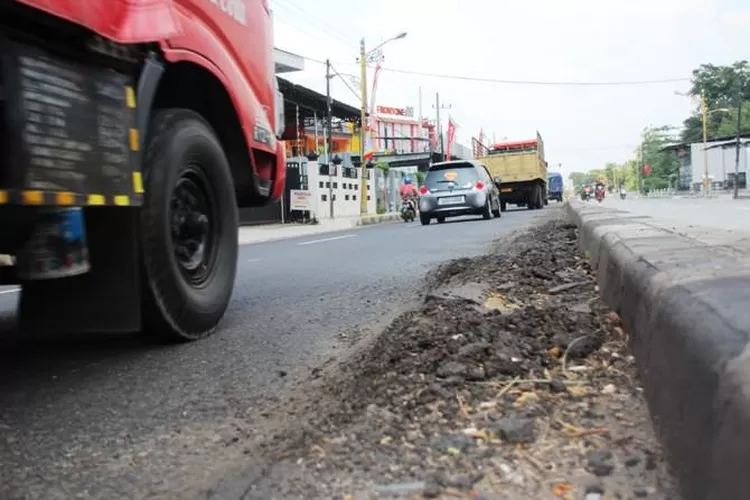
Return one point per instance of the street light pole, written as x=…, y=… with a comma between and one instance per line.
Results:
x=704, y=115
x=363, y=191
x=736, y=193
x=329, y=139
x=363, y=129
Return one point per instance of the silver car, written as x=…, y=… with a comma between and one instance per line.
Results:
x=456, y=188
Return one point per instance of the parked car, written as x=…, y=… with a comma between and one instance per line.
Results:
x=456, y=188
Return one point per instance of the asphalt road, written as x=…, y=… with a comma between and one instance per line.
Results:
x=714, y=213
x=107, y=417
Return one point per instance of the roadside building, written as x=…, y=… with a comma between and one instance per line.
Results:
x=719, y=156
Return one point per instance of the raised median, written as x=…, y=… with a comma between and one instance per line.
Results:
x=684, y=301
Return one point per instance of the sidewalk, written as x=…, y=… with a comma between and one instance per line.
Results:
x=272, y=232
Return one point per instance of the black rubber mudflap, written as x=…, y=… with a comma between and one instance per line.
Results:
x=107, y=298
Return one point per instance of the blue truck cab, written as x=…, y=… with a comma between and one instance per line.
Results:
x=555, y=186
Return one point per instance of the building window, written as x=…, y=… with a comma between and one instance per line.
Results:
x=321, y=183
x=328, y=184
x=346, y=197
x=354, y=197
x=335, y=185
x=323, y=197
x=369, y=197
x=333, y=197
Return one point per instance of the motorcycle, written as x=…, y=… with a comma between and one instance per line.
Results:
x=622, y=195
x=585, y=196
x=408, y=211
x=599, y=194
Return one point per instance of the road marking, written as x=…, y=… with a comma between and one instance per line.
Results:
x=253, y=260
x=324, y=240
x=13, y=290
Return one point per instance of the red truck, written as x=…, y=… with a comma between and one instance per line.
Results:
x=131, y=131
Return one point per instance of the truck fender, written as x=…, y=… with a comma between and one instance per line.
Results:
x=148, y=83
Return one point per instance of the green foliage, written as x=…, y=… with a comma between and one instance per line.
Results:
x=383, y=166
x=725, y=87
x=664, y=166
x=420, y=178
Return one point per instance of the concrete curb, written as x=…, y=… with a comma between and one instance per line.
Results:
x=687, y=310
x=378, y=219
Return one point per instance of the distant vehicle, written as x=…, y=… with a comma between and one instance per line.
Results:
x=555, y=186
x=456, y=188
x=408, y=212
x=523, y=169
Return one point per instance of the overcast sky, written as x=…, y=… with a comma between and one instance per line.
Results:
x=531, y=40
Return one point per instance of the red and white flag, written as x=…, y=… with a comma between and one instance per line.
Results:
x=451, y=136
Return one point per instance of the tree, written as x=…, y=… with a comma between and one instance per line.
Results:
x=664, y=164
x=724, y=87
x=580, y=178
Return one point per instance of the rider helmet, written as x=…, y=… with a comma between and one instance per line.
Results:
x=407, y=180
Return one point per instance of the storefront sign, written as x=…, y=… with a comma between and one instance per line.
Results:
x=387, y=110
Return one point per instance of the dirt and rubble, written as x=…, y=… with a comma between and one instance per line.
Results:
x=511, y=381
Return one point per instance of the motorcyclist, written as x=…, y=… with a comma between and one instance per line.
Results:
x=408, y=192
x=622, y=192
x=599, y=190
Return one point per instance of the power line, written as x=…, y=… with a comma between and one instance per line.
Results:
x=288, y=5
x=335, y=72
x=621, y=83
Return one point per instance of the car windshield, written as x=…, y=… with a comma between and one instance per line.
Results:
x=448, y=177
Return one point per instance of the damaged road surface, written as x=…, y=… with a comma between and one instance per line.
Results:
x=511, y=381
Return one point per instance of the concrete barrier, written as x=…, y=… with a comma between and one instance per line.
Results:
x=686, y=306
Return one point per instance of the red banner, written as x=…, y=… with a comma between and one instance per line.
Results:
x=451, y=136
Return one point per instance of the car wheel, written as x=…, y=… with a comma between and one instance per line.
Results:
x=440, y=220
x=497, y=212
x=424, y=219
x=188, y=225
x=487, y=212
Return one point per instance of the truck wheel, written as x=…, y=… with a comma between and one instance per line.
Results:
x=531, y=198
x=189, y=228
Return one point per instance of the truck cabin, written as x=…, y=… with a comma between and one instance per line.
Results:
x=514, y=147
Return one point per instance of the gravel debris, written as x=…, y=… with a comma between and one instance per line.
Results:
x=511, y=381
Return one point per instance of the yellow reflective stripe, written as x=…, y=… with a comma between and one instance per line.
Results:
x=96, y=199
x=33, y=197
x=137, y=183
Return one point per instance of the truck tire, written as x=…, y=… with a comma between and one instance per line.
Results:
x=531, y=199
x=189, y=228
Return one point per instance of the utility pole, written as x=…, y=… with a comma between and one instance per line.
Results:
x=736, y=193
x=363, y=191
x=704, y=115
x=329, y=138
x=438, y=107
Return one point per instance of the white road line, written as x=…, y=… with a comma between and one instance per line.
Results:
x=324, y=240
x=13, y=290
x=253, y=260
